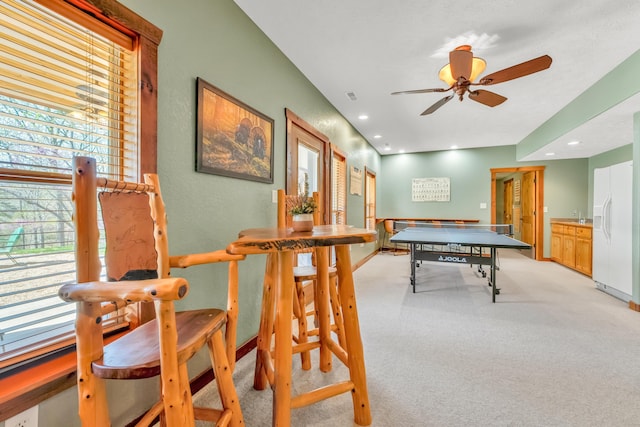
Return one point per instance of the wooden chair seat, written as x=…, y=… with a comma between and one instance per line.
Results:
x=137, y=354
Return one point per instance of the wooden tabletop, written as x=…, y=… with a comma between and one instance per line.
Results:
x=263, y=240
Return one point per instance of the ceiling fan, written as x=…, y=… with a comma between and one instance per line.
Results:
x=462, y=70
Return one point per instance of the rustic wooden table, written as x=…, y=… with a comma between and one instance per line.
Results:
x=279, y=244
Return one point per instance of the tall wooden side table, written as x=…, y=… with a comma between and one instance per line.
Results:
x=275, y=369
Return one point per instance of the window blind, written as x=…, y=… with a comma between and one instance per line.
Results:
x=68, y=86
x=64, y=90
x=370, y=204
x=339, y=189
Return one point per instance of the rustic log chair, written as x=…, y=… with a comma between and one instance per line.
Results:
x=305, y=287
x=137, y=267
x=389, y=231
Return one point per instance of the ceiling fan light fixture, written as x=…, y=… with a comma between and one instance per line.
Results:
x=477, y=67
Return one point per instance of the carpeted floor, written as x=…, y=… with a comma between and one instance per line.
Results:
x=552, y=351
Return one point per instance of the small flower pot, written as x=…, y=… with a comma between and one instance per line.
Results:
x=302, y=222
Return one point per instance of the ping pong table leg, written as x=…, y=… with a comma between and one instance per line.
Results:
x=412, y=248
x=494, y=290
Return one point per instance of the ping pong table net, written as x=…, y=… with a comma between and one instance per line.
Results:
x=496, y=228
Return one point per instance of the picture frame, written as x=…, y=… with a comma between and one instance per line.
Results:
x=232, y=139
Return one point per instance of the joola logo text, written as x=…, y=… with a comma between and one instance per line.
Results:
x=452, y=259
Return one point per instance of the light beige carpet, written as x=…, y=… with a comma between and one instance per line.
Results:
x=552, y=351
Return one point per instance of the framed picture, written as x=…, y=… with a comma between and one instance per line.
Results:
x=233, y=139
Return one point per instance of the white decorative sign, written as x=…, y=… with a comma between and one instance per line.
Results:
x=355, y=185
x=430, y=190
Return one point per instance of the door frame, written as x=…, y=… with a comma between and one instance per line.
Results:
x=293, y=120
x=539, y=205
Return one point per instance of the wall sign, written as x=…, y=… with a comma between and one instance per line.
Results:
x=430, y=190
x=355, y=184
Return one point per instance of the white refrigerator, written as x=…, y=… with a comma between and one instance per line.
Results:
x=612, y=229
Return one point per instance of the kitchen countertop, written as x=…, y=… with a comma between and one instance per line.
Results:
x=572, y=221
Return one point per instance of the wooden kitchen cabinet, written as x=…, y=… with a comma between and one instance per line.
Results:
x=584, y=243
x=556, y=242
x=571, y=245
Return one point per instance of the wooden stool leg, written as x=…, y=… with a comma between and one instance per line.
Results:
x=360, y=395
x=283, y=356
x=322, y=307
x=266, y=324
x=337, y=310
x=300, y=312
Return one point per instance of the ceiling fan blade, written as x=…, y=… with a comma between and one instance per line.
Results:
x=437, y=105
x=487, y=98
x=520, y=70
x=460, y=62
x=420, y=91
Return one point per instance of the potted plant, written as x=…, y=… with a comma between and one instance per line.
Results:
x=301, y=208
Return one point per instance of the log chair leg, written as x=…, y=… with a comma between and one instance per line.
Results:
x=224, y=379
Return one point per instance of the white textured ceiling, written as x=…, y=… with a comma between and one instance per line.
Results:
x=375, y=47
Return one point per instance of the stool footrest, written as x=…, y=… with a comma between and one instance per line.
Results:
x=322, y=393
x=301, y=348
x=340, y=352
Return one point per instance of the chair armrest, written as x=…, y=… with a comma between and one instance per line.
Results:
x=130, y=291
x=184, y=261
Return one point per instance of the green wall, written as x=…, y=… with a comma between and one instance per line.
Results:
x=565, y=184
x=216, y=41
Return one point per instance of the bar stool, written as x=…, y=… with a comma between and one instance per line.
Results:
x=303, y=275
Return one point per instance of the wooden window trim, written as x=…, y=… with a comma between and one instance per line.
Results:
x=367, y=173
x=33, y=385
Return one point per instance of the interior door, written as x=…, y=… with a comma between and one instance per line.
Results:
x=528, y=208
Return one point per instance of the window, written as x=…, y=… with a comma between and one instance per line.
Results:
x=68, y=86
x=338, y=187
x=370, y=200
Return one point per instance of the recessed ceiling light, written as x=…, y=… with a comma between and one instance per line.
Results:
x=454, y=147
x=549, y=154
x=400, y=151
x=363, y=117
x=573, y=143
x=377, y=136
x=387, y=148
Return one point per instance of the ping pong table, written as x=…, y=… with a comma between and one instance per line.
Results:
x=474, y=244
